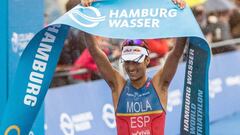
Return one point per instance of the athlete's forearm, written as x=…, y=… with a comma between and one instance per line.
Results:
x=98, y=55
x=90, y=42
x=107, y=71
x=170, y=66
x=179, y=47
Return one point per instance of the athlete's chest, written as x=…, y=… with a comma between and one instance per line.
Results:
x=141, y=100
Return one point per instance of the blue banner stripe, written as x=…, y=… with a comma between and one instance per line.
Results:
x=3, y=55
x=31, y=82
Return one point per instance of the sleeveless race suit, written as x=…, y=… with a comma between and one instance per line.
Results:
x=139, y=111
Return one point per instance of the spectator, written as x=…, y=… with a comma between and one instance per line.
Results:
x=73, y=47
x=159, y=47
x=222, y=32
x=235, y=21
x=85, y=61
x=218, y=26
x=201, y=17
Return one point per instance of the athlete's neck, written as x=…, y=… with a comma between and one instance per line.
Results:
x=139, y=83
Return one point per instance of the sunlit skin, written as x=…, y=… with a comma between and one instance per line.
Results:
x=137, y=72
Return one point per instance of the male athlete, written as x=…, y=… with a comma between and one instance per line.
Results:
x=140, y=102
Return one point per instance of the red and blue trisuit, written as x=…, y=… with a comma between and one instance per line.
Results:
x=139, y=111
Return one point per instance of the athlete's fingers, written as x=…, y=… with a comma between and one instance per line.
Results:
x=182, y=5
x=87, y=3
x=174, y=1
x=83, y=3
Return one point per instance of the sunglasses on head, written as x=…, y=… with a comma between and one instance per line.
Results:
x=136, y=42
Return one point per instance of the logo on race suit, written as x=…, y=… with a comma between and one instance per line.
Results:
x=12, y=129
x=84, y=20
x=109, y=115
x=75, y=123
x=136, y=95
x=20, y=41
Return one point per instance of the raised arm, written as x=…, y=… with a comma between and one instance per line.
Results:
x=109, y=74
x=166, y=74
x=163, y=77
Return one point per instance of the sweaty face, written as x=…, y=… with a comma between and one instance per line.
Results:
x=135, y=70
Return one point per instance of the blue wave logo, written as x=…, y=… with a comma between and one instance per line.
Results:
x=84, y=20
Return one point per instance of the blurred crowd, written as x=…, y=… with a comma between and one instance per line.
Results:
x=218, y=23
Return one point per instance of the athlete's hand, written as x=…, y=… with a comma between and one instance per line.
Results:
x=180, y=3
x=87, y=3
